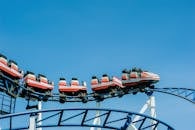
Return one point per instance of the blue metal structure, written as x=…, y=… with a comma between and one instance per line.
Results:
x=184, y=93
x=9, y=86
x=7, y=104
x=13, y=89
x=111, y=119
x=7, y=101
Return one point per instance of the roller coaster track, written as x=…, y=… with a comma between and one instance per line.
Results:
x=6, y=82
x=184, y=93
x=80, y=117
x=84, y=117
x=110, y=119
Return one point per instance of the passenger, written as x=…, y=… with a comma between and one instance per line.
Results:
x=62, y=82
x=139, y=71
x=12, y=64
x=42, y=78
x=94, y=80
x=133, y=74
x=134, y=69
x=125, y=74
x=105, y=78
x=30, y=75
x=3, y=59
x=74, y=82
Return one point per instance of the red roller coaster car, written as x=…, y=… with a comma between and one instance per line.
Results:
x=10, y=68
x=139, y=78
x=74, y=89
x=39, y=83
x=106, y=84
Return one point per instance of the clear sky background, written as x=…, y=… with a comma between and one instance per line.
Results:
x=91, y=37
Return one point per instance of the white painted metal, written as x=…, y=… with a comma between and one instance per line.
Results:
x=144, y=108
x=39, y=115
x=32, y=123
x=97, y=121
x=131, y=127
x=150, y=104
x=153, y=109
x=34, y=118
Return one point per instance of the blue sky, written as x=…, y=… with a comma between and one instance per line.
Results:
x=84, y=38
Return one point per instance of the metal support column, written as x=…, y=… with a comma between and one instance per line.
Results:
x=35, y=117
x=97, y=120
x=150, y=104
x=32, y=123
x=39, y=118
x=153, y=110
